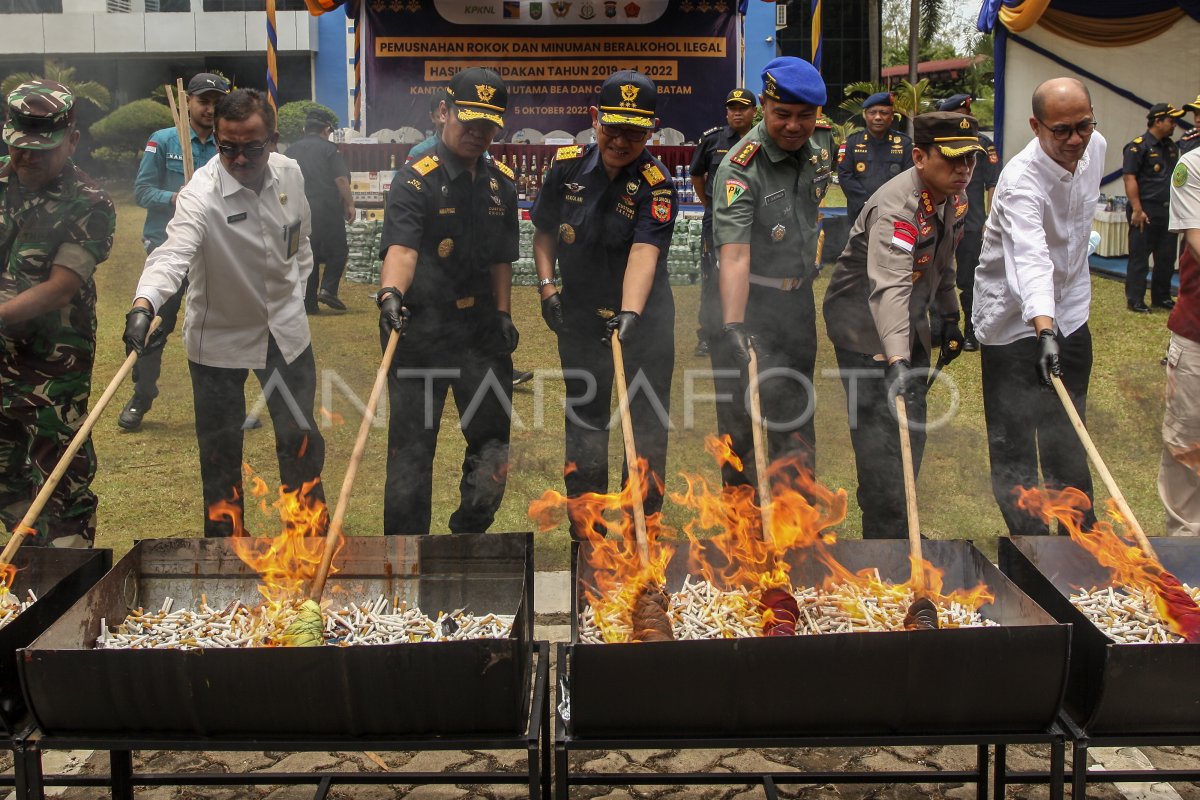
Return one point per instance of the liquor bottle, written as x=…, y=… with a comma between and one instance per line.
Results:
x=392, y=161
x=522, y=181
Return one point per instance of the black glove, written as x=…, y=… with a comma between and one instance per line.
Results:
x=623, y=325
x=393, y=316
x=952, y=340
x=508, y=332
x=552, y=312
x=739, y=340
x=137, y=325
x=1047, y=363
x=904, y=381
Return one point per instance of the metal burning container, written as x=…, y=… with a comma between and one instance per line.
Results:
x=1113, y=688
x=1007, y=678
x=471, y=686
x=57, y=577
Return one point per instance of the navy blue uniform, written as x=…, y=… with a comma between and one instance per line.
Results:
x=459, y=227
x=1151, y=161
x=597, y=221
x=867, y=163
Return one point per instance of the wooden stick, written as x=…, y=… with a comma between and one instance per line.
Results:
x=334, y=535
x=185, y=128
x=760, y=452
x=631, y=459
x=1098, y=462
x=25, y=526
x=910, y=498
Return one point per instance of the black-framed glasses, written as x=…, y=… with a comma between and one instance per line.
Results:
x=1063, y=132
x=251, y=151
x=631, y=135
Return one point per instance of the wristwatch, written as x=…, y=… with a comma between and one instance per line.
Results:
x=544, y=282
x=385, y=291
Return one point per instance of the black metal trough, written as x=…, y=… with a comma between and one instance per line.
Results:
x=1008, y=678
x=475, y=686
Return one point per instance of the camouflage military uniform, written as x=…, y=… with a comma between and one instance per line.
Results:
x=46, y=362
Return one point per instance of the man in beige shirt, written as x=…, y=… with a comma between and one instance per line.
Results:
x=899, y=263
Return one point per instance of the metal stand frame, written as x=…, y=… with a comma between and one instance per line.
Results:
x=565, y=743
x=1079, y=774
x=30, y=783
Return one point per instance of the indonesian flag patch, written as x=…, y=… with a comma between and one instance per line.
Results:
x=904, y=236
x=151, y=146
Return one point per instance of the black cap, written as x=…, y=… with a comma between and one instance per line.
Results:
x=955, y=102
x=743, y=97
x=952, y=134
x=628, y=98
x=1163, y=110
x=1193, y=106
x=207, y=82
x=478, y=93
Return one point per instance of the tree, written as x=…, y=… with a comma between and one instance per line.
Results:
x=910, y=99
x=292, y=116
x=90, y=91
x=122, y=134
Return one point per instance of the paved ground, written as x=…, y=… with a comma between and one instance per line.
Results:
x=552, y=599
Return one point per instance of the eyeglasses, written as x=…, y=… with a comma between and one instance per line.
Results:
x=631, y=135
x=251, y=151
x=1063, y=132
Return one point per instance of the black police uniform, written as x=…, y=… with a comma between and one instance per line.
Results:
x=597, y=221
x=966, y=255
x=459, y=228
x=713, y=146
x=1151, y=161
x=322, y=165
x=868, y=163
x=1190, y=140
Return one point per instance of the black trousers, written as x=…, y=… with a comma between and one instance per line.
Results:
x=1026, y=424
x=219, y=397
x=966, y=259
x=329, y=248
x=459, y=354
x=785, y=329
x=148, y=368
x=588, y=371
x=1154, y=240
x=875, y=436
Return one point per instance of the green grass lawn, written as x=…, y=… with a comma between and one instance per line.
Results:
x=149, y=485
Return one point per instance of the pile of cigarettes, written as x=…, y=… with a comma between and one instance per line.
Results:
x=10, y=606
x=699, y=610
x=383, y=621
x=1127, y=614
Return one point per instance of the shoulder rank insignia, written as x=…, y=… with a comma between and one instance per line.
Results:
x=426, y=165
x=711, y=131
x=1138, y=140
x=505, y=170
x=742, y=159
x=652, y=174
x=570, y=151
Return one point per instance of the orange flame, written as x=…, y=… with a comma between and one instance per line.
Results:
x=8, y=573
x=1129, y=565
x=728, y=521
x=287, y=562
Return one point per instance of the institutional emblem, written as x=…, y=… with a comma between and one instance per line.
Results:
x=566, y=233
x=733, y=190
x=610, y=8
x=445, y=248
x=560, y=8
x=629, y=94
x=778, y=232
x=485, y=92
x=535, y=10
x=632, y=10
x=587, y=11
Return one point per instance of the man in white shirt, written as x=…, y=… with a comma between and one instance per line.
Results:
x=1032, y=299
x=240, y=236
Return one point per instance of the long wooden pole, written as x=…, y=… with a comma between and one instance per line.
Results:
x=760, y=453
x=334, y=535
x=910, y=498
x=631, y=459
x=1109, y=482
x=184, y=124
x=25, y=526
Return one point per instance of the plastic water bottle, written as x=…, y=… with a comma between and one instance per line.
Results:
x=1093, y=242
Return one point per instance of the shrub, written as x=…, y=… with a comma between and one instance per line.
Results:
x=122, y=134
x=293, y=115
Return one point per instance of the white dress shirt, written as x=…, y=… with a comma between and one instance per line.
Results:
x=231, y=243
x=1035, y=243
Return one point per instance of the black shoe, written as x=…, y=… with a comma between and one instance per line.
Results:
x=1167, y=304
x=251, y=423
x=130, y=418
x=701, y=348
x=1139, y=307
x=970, y=343
x=520, y=377
x=331, y=300
x=310, y=310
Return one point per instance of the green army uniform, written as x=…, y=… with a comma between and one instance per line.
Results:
x=46, y=362
x=768, y=198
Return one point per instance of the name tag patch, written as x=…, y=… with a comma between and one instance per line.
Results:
x=235, y=218
x=773, y=197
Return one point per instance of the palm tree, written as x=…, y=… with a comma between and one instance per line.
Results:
x=910, y=99
x=91, y=91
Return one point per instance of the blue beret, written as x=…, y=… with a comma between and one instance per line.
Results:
x=793, y=80
x=955, y=102
x=879, y=99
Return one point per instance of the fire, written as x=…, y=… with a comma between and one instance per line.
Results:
x=1129, y=565
x=728, y=547
x=287, y=562
x=8, y=573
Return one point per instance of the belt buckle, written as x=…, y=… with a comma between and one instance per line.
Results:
x=464, y=302
x=605, y=313
x=791, y=284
